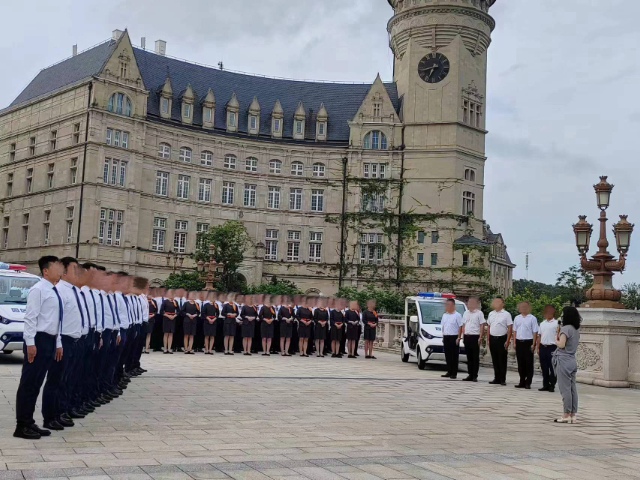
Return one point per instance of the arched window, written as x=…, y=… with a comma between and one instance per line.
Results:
x=119, y=103
x=275, y=166
x=206, y=158
x=297, y=169
x=164, y=150
x=251, y=164
x=185, y=154
x=470, y=174
x=375, y=140
x=230, y=161
x=318, y=169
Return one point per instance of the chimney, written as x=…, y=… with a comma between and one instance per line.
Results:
x=143, y=43
x=161, y=47
x=116, y=34
x=75, y=50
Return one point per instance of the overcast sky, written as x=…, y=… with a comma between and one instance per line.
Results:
x=563, y=83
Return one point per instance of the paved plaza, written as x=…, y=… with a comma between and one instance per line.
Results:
x=261, y=418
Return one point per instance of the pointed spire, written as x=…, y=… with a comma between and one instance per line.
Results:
x=167, y=89
x=210, y=99
x=277, y=109
x=322, y=113
x=188, y=93
x=233, y=102
x=255, y=106
x=300, y=111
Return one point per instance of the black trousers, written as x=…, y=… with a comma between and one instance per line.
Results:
x=548, y=375
x=56, y=395
x=524, y=354
x=451, y=354
x=499, y=357
x=32, y=377
x=103, y=370
x=473, y=354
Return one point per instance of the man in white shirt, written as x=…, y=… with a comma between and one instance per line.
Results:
x=546, y=346
x=110, y=336
x=525, y=336
x=451, y=324
x=499, y=330
x=42, y=345
x=91, y=295
x=141, y=286
x=473, y=331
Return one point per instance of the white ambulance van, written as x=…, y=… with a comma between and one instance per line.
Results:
x=15, y=283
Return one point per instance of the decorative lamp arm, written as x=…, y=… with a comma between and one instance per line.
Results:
x=616, y=265
x=589, y=264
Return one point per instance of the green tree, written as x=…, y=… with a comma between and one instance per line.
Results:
x=573, y=283
x=190, y=281
x=388, y=300
x=537, y=303
x=230, y=241
x=631, y=296
x=538, y=288
x=275, y=287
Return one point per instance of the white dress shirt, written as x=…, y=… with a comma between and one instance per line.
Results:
x=473, y=320
x=110, y=322
x=499, y=322
x=73, y=318
x=525, y=327
x=451, y=323
x=548, y=329
x=123, y=311
x=91, y=306
x=95, y=297
x=144, y=305
x=42, y=313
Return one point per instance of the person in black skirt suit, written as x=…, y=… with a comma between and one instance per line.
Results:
x=210, y=313
x=190, y=314
x=267, y=318
x=321, y=319
x=249, y=314
x=337, y=321
x=169, y=310
x=305, y=319
x=229, y=313
x=352, y=317
x=198, y=340
x=370, y=319
x=286, y=319
x=153, y=311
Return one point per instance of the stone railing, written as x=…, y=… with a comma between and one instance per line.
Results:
x=390, y=331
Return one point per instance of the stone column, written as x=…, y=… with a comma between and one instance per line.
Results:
x=609, y=350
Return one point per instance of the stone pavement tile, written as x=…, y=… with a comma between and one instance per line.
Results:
x=121, y=462
x=314, y=456
x=111, y=471
x=339, y=469
x=91, y=477
x=359, y=476
x=45, y=465
x=130, y=476
x=327, y=462
x=196, y=467
x=11, y=475
x=541, y=471
x=54, y=472
x=247, y=475
x=20, y=458
x=264, y=465
x=417, y=472
x=318, y=473
x=253, y=458
x=446, y=471
x=151, y=469
x=270, y=451
x=627, y=471
x=170, y=476
x=77, y=472
x=209, y=474
x=185, y=460
x=382, y=471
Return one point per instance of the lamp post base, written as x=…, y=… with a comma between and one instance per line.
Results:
x=602, y=304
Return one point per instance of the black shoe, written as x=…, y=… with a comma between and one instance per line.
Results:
x=101, y=400
x=446, y=375
x=23, y=431
x=53, y=425
x=543, y=389
x=170, y=353
x=75, y=414
x=83, y=411
x=519, y=386
x=333, y=355
x=351, y=356
x=166, y=352
x=339, y=355
x=467, y=379
x=453, y=378
x=494, y=382
x=142, y=370
x=107, y=397
x=527, y=387
x=504, y=384
x=372, y=357
x=551, y=390
x=474, y=380
x=41, y=431
x=94, y=403
x=65, y=421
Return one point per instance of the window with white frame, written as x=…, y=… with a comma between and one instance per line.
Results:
x=5, y=232
x=159, y=234
x=295, y=199
x=50, y=172
x=253, y=122
x=119, y=103
x=317, y=200
x=468, y=203
x=228, y=189
x=470, y=174
x=53, y=140
x=206, y=158
x=251, y=164
x=180, y=236
x=271, y=244
x=29, y=179
x=232, y=119
x=164, y=150
x=185, y=154
x=322, y=127
x=373, y=202
x=114, y=172
x=204, y=190
x=293, y=246
x=374, y=170
x=472, y=113
x=275, y=166
x=70, y=212
x=73, y=171
x=164, y=105
x=276, y=125
x=298, y=127
x=186, y=110
x=250, y=195
x=76, y=133
x=32, y=146
x=117, y=138
x=110, y=227
x=207, y=115
x=375, y=140
x=162, y=183
x=183, y=186
x=315, y=247
x=297, y=169
x=25, y=235
x=201, y=230
x=371, y=248
x=9, y=184
x=273, y=199
x=230, y=161
x=318, y=169
x=12, y=152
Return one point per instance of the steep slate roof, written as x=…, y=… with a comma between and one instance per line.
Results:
x=67, y=72
x=341, y=100
x=470, y=240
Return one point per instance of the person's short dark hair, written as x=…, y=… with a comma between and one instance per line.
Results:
x=101, y=268
x=499, y=297
x=571, y=316
x=140, y=282
x=46, y=261
x=89, y=265
x=450, y=300
x=122, y=274
x=548, y=305
x=66, y=261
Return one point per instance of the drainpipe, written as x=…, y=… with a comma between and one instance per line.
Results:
x=343, y=219
x=84, y=168
x=400, y=195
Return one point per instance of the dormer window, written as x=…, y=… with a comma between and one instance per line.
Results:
x=299, y=127
x=232, y=119
x=206, y=114
x=186, y=110
x=253, y=122
x=164, y=105
x=322, y=126
x=375, y=140
x=276, y=125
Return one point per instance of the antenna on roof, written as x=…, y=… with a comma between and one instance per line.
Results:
x=526, y=262
x=221, y=65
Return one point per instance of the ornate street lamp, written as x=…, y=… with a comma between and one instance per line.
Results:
x=210, y=268
x=602, y=264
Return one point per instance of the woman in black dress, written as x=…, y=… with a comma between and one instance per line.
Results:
x=321, y=319
x=286, y=320
x=153, y=311
x=337, y=323
x=249, y=315
x=352, y=317
x=267, y=319
x=229, y=313
x=190, y=314
x=370, y=319
x=169, y=310
x=210, y=313
x=305, y=319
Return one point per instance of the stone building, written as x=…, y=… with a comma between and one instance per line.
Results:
x=121, y=155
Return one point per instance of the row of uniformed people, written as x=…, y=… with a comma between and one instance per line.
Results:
x=251, y=323
x=84, y=331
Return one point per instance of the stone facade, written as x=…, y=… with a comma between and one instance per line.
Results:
x=124, y=164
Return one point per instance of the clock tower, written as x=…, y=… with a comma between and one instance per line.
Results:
x=440, y=69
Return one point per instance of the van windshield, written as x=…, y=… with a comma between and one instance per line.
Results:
x=431, y=312
x=14, y=290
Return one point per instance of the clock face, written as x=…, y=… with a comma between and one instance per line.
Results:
x=433, y=68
